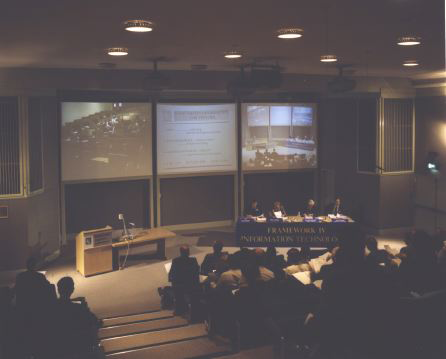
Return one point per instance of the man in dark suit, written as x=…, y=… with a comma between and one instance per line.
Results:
x=184, y=276
x=335, y=208
x=32, y=289
x=212, y=260
x=77, y=327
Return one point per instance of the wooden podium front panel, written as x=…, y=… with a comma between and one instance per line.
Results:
x=93, y=260
x=98, y=260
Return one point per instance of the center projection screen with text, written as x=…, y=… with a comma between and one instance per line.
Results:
x=279, y=136
x=101, y=140
x=194, y=138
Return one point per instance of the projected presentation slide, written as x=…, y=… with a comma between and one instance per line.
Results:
x=105, y=140
x=278, y=136
x=196, y=138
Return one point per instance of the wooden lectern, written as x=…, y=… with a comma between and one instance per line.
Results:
x=94, y=251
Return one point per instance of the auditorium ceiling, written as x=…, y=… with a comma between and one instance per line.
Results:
x=75, y=34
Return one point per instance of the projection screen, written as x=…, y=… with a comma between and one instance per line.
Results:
x=279, y=136
x=194, y=138
x=105, y=140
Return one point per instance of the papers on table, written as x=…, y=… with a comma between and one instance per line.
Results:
x=260, y=219
x=278, y=214
x=318, y=283
x=317, y=263
x=391, y=250
x=303, y=277
x=167, y=266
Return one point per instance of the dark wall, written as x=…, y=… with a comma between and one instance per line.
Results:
x=95, y=205
x=430, y=194
x=338, y=152
x=13, y=235
x=33, y=226
x=197, y=199
x=293, y=189
x=430, y=115
x=396, y=201
x=44, y=208
x=377, y=201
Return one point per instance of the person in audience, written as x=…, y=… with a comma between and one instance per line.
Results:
x=212, y=260
x=77, y=327
x=310, y=210
x=254, y=210
x=376, y=256
x=278, y=211
x=260, y=261
x=419, y=272
x=275, y=263
x=184, y=276
x=302, y=261
x=293, y=257
x=231, y=278
x=356, y=304
x=32, y=288
x=7, y=317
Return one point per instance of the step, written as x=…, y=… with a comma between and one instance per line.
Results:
x=192, y=348
x=140, y=327
x=134, y=318
x=256, y=353
x=141, y=340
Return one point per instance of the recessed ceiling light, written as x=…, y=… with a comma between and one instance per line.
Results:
x=139, y=25
x=233, y=54
x=409, y=40
x=329, y=58
x=289, y=33
x=118, y=51
x=410, y=63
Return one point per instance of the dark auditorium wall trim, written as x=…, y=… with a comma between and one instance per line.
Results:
x=97, y=204
x=196, y=199
x=35, y=144
x=430, y=113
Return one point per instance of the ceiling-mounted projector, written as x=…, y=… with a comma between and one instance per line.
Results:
x=341, y=83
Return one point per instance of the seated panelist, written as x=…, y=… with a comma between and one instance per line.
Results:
x=336, y=208
x=254, y=210
x=278, y=211
x=311, y=210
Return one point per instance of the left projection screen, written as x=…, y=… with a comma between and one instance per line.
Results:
x=102, y=140
x=194, y=138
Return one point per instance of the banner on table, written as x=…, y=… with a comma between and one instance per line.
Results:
x=294, y=234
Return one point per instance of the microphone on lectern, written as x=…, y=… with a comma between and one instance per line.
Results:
x=126, y=232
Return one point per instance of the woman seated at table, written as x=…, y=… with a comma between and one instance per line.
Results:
x=254, y=210
x=278, y=211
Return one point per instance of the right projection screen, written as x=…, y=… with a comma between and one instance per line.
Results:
x=279, y=136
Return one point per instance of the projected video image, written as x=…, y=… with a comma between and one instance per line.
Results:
x=196, y=138
x=279, y=136
x=105, y=140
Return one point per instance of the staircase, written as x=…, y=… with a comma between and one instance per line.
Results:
x=156, y=335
